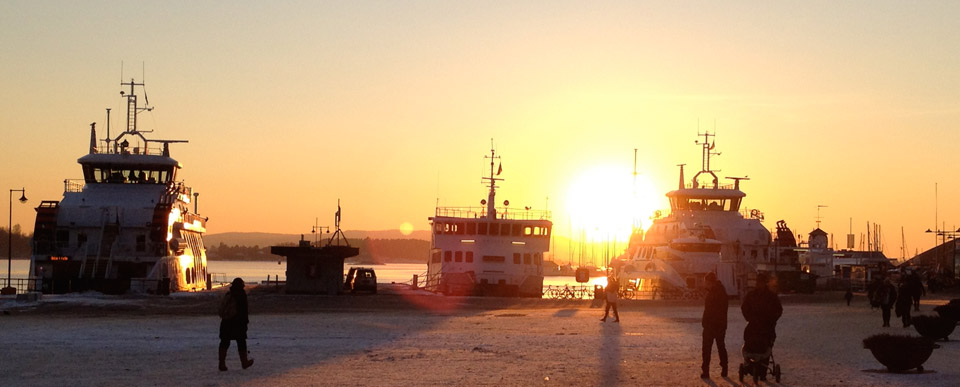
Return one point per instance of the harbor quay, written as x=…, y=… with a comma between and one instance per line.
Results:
x=403, y=338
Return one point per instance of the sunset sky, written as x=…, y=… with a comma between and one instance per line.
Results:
x=390, y=106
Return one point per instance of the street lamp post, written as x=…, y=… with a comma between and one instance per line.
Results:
x=9, y=289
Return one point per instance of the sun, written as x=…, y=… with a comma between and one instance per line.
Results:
x=606, y=202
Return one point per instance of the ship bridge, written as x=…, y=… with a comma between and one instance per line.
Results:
x=124, y=169
x=722, y=198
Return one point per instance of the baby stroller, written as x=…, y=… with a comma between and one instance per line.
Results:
x=758, y=360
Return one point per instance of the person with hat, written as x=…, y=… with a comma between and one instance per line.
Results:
x=234, y=317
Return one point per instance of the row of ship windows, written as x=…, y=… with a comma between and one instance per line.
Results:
x=461, y=256
x=122, y=175
x=484, y=228
x=63, y=240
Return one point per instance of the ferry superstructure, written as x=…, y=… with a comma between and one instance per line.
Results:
x=705, y=231
x=127, y=225
x=488, y=250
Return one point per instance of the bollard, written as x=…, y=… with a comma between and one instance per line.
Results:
x=414, y=283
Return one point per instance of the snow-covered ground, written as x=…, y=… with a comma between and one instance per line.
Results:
x=536, y=342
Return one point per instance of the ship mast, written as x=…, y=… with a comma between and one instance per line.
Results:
x=707, y=146
x=491, y=197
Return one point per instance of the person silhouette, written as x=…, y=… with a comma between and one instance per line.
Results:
x=234, y=317
x=612, y=296
x=714, y=323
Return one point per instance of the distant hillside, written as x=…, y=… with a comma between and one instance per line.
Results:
x=273, y=239
x=372, y=251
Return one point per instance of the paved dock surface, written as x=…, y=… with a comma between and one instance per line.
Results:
x=410, y=338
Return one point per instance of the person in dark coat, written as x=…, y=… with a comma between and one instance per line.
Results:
x=714, y=324
x=234, y=317
x=612, y=296
x=916, y=285
x=848, y=296
x=872, y=289
x=761, y=308
x=904, y=301
x=885, y=296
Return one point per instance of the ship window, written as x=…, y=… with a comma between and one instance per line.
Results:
x=505, y=229
x=538, y=259
x=437, y=228
x=527, y=230
x=471, y=228
x=493, y=258
x=81, y=239
x=141, y=243
x=458, y=257
x=447, y=256
x=436, y=257
x=526, y=258
x=516, y=258
x=460, y=229
x=469, y=256
x=482, y=229
x=494, y=228
x=753, y=254
x=516, y=230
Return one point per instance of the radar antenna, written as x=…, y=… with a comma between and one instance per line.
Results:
x=707, y=147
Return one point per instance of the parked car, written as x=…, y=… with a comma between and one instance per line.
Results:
x=361, y=279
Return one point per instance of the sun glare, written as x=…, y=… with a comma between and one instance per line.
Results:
x=605, y=202
x=406, y=228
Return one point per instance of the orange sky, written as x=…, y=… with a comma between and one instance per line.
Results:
x=390, y=106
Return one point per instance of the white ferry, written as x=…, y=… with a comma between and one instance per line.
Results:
x=488, y=250
x=127, y=225
x=705, y=231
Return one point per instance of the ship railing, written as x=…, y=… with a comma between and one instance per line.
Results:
x=133, y=150
x=73, y=185
x=502, y=213
x=709, y=186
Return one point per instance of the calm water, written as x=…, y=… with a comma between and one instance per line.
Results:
x=256, y=271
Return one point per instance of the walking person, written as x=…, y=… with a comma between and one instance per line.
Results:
x=762, y=309
x=885, y=296
x=904, y=301
x=612, y=296
x=916, y=285
x=234, y=317
x=714, y=325
x=848, y=296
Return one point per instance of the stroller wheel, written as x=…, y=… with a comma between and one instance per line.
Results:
x=776, y=372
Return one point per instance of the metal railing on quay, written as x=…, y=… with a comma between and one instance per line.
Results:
x=23, y=285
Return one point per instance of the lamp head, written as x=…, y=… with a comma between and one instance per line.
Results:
x=23, y=196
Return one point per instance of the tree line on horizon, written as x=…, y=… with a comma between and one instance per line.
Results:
x=21, y=241
x=371, y=251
